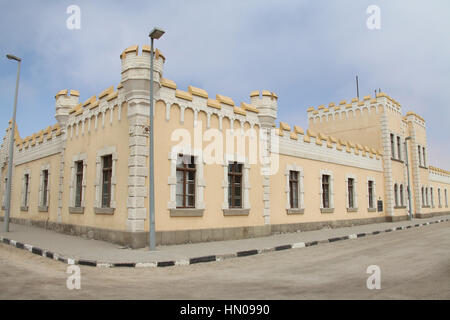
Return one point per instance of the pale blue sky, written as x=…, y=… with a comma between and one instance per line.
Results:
x=308, y=52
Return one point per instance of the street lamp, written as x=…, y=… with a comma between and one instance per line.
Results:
x=11, y=146
x=156, y=33
x=407, y=172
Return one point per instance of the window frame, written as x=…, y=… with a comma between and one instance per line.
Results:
x=330, y=191
x=233, y=185
x=185, y=170
x=106, y=172
x=98, y=204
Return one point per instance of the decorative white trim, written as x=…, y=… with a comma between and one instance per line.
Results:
x=301, y=190
x=111, y=150
x=199, y=178
x=73, y=172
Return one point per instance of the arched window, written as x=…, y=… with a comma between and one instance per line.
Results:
x=401, y=196
x=396, y=195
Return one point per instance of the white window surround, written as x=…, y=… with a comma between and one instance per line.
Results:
x=331, y=190
x=110, y=150
x=245, y=182
x=24, y=206
x=301, y=192
x=73, y=179
x=374, y=195
x=41, y=186
x=355, y=192
x=199, y=179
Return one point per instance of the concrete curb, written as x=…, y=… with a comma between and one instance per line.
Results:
x=182, y=262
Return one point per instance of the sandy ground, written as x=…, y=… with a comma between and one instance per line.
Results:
x=414, y=263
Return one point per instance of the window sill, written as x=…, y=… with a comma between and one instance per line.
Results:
x=76, y=209
x=23, y=208
x=425, y=206
x=399, y=207
x=43, y=208
x=295, y=211
x=423, y=167
x=104, y=210
x=236, y=212
x=352, y=209
x=397, y=160
x=326, y=210
x=186, y=212
x=371, y=209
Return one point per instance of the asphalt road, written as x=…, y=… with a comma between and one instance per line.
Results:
x=414, y=264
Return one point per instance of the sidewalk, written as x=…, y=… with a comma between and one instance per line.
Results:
x=77, y=250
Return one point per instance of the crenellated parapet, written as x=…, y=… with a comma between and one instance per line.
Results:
x=135, y=71
x=413, y=117
x=85, y=115
x=198, y=100
x=319, y=146
x=345, y=110
x=65, y=101
x=266, y=103
x=439, y=175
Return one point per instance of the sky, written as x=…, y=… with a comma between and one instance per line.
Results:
x=307, y=52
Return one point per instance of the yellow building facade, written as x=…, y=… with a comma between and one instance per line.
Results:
x=222, y=170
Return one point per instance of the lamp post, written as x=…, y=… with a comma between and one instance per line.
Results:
x=156, y=33
x=407, y=172
x=11, y=146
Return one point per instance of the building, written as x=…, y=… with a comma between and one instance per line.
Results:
x=222, y=170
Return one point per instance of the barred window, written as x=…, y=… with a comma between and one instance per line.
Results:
x=350, y=188
x=370, y=187
x=293, y=189
x=185, y=191
x=26, y=182
x=326, y=191
x=401, y=196
x=79, y=183
x=44, y=187
x=235, y=185
x=106, y=181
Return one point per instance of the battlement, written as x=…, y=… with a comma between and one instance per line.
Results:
x=322, y=147
x=321, y=139
x=135, y=66
x=199, y=100
x=414, y=118
x=439, y=171
x=353, y=108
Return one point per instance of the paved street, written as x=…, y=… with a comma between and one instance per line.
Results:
x=415, y=264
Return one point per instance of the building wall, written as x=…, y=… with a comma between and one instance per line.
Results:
x=346, y=140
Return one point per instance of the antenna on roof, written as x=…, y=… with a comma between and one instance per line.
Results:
x=357, y=87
